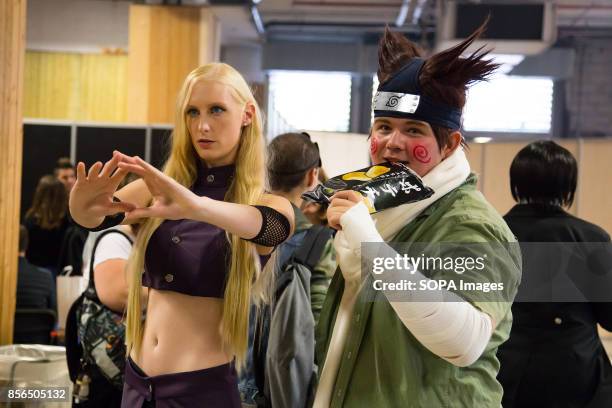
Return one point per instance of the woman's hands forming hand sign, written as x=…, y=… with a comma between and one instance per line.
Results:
x=171, y=200
x=91, y=198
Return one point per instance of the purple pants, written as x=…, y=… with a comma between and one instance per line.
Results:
x=214, y=387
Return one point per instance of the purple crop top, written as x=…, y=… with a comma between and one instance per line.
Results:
x=192, y=257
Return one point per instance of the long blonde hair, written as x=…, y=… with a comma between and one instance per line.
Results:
x=246, y=188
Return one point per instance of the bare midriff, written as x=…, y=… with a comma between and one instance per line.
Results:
x=181, y=333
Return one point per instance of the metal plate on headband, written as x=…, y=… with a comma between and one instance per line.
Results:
x=398, y=102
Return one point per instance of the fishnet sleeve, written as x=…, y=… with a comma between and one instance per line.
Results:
x=275, y=227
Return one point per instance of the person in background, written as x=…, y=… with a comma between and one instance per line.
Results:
x=35, y=286
x=71, y=252
x=110, y=250
x=46, y=221
x=71, y=249
x=294, y=165
x=554, y=357
x=65, y=172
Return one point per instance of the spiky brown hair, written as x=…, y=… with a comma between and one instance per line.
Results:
x=445, y=76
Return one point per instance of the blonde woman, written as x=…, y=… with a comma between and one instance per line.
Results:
x=204, y=220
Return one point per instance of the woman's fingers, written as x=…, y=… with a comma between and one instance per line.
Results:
x=124, y=158
x=121, y=206
x=147, y=166
x=80, y=170
x=152, y=170
x=147, y=212
x=130, y=217
x=94, y=170
x=139, y=166
x=155, y=179
x=150, y=180
x=118, y=176
x=110, y=166
x=134, y=168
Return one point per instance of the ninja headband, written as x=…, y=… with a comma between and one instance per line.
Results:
x=401, y=97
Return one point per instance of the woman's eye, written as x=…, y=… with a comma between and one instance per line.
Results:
x=384, y=128
x=192, y=113
x=216, y=110
x=413, y=130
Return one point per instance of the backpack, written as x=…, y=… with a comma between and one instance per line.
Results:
x=100, y=332
x=284, y=368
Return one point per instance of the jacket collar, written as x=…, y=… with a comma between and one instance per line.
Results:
x=221, y=176
x=536, y=210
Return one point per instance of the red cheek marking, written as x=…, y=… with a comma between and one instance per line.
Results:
x=421, y=154
x=373, y=145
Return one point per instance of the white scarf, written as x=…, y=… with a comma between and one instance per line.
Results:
x=449, y=174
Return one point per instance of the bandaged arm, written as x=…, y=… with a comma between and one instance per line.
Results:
x=442, y=321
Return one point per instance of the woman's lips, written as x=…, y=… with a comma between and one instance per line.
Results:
x=205, y=143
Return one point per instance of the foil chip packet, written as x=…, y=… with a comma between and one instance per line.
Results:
x=382, y=186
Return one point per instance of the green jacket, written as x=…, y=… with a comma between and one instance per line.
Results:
x=383, y=364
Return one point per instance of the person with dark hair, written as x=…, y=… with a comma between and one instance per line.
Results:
x=71, y=252
x=380, y=348
x=99, y=315
x=293, y=166
x=35, y=286
x=65, y=172
x=46, y=221
x=554, y=357
x=287, y=325
x=544, y=173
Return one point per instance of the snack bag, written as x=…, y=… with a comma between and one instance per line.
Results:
x=382, y=186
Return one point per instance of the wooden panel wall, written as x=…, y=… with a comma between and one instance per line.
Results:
x=139, y=57
x=595, y=183
x=496, y=174
x=12, y=56
x=475, y=156
x=210, y=37
x=82, y=87
x=164, y=48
